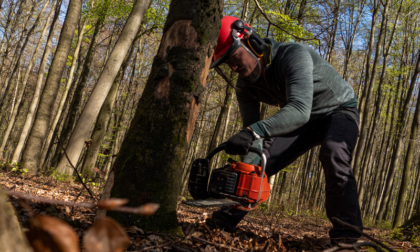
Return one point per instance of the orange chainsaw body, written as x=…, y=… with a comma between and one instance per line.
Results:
x=250, y=181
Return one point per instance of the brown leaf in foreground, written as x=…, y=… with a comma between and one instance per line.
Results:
x=106, y=235
x=51, y=234
x=148, y=209
x=112, y=203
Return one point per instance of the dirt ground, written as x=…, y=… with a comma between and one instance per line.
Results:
x=259, y=231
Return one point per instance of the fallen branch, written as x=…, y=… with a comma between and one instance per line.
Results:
x=75, y=170
x=146, y=209
x=214, y=244
x=355, y=229
x=198, y=239
x=354, y=246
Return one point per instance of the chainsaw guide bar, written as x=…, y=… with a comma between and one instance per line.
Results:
x=211, y=203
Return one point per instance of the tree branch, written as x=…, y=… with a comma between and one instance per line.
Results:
x=354, y=246
x=278, y=27
x=222, y=74
x=141, y=210
x=355, y=229
x=75, y=170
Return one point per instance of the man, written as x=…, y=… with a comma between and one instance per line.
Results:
x=318, y=107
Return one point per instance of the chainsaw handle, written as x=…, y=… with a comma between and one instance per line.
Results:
x=222, y=146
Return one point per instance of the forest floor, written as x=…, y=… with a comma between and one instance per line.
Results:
x=260, y=230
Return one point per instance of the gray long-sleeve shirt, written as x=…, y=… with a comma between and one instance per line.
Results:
x=298, y=80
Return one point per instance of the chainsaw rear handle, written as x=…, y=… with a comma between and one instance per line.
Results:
x=222, y=146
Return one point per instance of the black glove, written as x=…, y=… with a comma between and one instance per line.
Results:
x=240, y=143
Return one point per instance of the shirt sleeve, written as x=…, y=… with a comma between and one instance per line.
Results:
x=296, y=68
x=248, y=106
x=250, y=113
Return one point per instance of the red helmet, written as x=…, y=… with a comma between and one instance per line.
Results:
x=231, y=33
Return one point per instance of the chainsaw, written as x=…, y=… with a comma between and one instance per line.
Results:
x=237, y=184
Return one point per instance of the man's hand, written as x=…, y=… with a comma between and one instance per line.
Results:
x=240, y=143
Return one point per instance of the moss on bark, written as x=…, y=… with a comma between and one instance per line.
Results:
x=149, y=165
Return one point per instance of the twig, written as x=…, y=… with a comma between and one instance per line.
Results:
x=222, y=74
x=278, y=27
x=133, y=210
x=75, y=170
x=354, y=246
x=355, y=229
x=198, y=239
x=214, y=244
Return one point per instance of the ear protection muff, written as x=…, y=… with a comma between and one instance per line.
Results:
x=253, y=40
x=255, y=43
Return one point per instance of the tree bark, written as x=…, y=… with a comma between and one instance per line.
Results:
x=215, y=140
x=151, y=157
x=76, y=101
x=398, y=148
x=32, y=152
x=22, y=49
x=365, y=111
x=90, y=112
x=64, y=96
x=406, y=173
x=38, y=87
x=363, y=98
x=103, y=119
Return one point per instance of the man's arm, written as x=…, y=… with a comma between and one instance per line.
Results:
x=248, y=106
x=250, y=113
x=296, y=67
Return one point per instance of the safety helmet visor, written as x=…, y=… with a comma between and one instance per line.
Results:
x=243, y=62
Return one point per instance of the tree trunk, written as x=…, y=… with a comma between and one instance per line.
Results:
x=78, y=94
x=15, y=23
x=103, y=119
x=368, y=55
x=415, y=192
x=215, y=140
x=151, y=157
x=21, y=51
x=90, y=112
x=365, y=111
x=11, y=237
x=32, y=152
x=64, y=96
x=38, y=87
x=406, y=173
x=399, y=140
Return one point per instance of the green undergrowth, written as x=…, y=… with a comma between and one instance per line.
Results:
x=410, y=231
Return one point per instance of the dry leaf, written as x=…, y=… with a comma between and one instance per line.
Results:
x=51, y=234
x=112, y=203
x=147, y=209
x=106, y=235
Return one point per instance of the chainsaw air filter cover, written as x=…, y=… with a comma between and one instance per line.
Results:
x=223, y=181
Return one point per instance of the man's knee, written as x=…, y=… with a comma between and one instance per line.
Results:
x=334, y=152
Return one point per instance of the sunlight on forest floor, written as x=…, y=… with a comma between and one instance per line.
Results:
x=275, y=230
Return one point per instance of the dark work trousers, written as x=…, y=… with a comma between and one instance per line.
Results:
x=337, y=134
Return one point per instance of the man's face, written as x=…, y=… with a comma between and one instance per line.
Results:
x=242, y=62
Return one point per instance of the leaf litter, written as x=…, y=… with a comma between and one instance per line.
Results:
x=258, y=231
